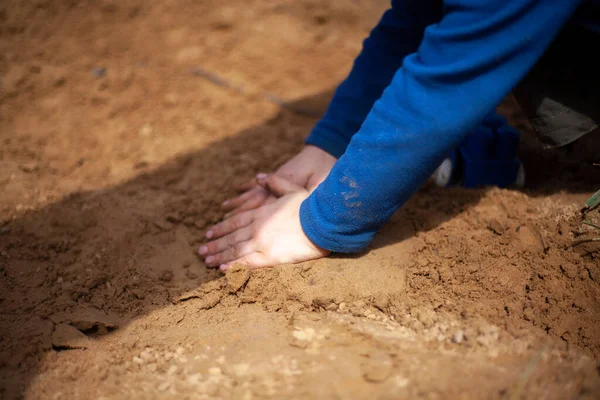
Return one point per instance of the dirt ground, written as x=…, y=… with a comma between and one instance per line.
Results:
x=124, y=124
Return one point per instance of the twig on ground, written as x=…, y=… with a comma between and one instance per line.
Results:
x=270, y=97
x=590, y=223
x=582, y=241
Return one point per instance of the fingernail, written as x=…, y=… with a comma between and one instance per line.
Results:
x=227, y=215
x=261, y=176
x=209, y=259
x=225, y=203
x=209, y=234
x=203, y=250
x=223, y=267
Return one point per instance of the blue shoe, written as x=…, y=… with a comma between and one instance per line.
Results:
x=487, y=157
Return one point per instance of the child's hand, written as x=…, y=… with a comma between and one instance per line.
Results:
x=307, y=170
x=266, y=236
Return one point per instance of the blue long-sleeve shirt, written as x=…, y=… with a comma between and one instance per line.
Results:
x=427, y=75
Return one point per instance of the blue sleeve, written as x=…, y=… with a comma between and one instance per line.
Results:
x=397, y=35
x=463, y=68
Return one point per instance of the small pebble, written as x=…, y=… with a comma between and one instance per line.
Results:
x=29, y=167
x=173, y=218
x=427, y=317
x=146, y=130
x=60, y=81
x=147, y=355
x=458, y=337
x=138, y=360
x=99, y=72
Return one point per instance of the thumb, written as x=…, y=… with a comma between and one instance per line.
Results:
x=277, y=185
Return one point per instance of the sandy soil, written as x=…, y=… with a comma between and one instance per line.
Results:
x=123, y=125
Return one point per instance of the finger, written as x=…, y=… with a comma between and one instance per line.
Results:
x=251, y=260
x=219, y=245
x=231, y=253
x=232, y=204
x=250, y=204
x=246, y=185
x=279, y=186
x=230, y=225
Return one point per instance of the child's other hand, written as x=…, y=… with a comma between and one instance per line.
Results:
x=266, y=236
x=307, y=170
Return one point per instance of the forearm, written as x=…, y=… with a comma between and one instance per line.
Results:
x=398, y=34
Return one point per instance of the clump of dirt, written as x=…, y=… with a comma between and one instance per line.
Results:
x=125, y=125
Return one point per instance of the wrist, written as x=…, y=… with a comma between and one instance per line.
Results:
x=317, y=151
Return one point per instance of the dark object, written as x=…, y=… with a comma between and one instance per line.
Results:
x=99, y=72
x=560, y=94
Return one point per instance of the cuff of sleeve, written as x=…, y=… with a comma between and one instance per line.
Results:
x=327, y=141
x=315, y=228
